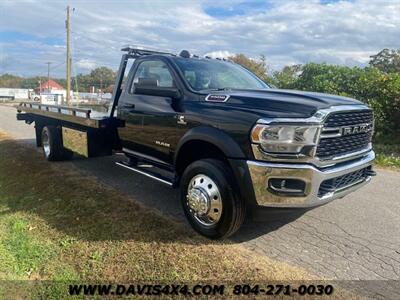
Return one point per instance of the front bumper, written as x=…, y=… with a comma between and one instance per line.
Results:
x=261, y=172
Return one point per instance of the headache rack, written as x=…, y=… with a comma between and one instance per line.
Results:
x=136, y=51
x=132, y=53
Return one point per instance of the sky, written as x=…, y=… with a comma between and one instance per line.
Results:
x=287, y=32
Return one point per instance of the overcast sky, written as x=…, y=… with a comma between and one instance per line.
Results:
x=286, y=32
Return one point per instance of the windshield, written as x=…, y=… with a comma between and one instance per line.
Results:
x=211, y=74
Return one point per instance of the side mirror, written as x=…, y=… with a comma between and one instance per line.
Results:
x=151, y=90
x=147, y=82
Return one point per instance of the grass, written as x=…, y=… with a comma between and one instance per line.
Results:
x=387, y=155
x=60, y=226
x=387, y=149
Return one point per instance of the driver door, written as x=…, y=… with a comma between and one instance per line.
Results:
x=150, y=120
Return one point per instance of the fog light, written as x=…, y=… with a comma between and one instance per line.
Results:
x=286, y=186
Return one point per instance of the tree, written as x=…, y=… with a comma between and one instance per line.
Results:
x=286, y=78
x=10, y=81
x=33, y=82
x=83, y=82
x=387, y=60
x=258, y=67
x=99, y=78
x=102, y=77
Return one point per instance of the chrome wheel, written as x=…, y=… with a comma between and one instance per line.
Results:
x=204, y=200
x=46, y=144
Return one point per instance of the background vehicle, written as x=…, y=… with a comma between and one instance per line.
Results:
x=213, y=129
x=13, y=93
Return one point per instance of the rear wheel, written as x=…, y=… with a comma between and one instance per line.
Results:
x=210, y=201
x=52, y=145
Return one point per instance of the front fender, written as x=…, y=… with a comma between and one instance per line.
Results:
x=232, y=151
x=214, y=136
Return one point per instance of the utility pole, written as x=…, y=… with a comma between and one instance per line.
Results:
x=101, y=86
x=68, y=26
x=48, y=75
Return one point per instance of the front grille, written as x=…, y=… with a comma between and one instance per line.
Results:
x=342, y=145
x=329, y=147
x=341, y=182
x=348, y=118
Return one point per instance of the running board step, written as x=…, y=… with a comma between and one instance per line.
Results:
x=148, y=173
x=137, y=158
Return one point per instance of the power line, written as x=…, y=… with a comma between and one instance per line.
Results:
x=59, y=65
x=93, y=41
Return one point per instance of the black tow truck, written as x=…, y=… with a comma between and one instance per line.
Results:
x=214, y=130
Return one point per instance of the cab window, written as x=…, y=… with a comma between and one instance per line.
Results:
x=154, y=69
x=209, y=74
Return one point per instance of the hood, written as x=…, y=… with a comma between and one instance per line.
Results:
x=282, y=103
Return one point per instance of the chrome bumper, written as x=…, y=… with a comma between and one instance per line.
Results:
x=261, y=172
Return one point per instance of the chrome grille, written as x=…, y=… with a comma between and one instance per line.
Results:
x=342, y=145
x=349, y=118
x=338, y=145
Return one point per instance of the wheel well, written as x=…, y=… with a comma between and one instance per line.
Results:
x=195, y=150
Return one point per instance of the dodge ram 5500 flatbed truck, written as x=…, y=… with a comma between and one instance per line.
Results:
x=225, y=138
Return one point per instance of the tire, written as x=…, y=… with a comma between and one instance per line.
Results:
x=213, y=206
x=52, y=145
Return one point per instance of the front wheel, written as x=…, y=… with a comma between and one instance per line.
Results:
x=210, y=201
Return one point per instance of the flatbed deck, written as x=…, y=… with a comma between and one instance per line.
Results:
x=80, y=116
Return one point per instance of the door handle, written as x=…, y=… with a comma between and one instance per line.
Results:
x=129, y=106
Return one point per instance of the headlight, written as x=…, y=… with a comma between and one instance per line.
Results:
x=285, y=138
